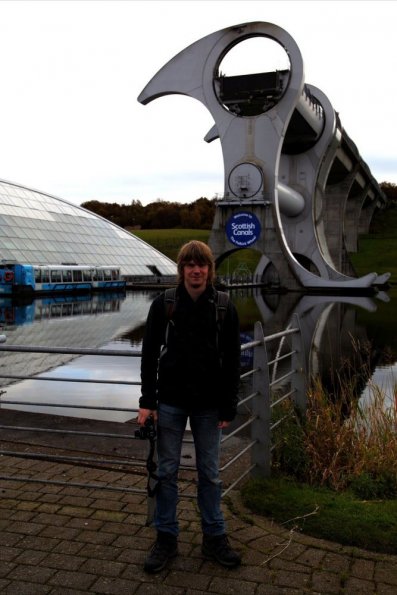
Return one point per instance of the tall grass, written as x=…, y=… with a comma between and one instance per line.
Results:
x=338, y=469
x=344, y=448
x=341, y=444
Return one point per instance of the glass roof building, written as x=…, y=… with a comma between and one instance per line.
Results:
x=37, y=228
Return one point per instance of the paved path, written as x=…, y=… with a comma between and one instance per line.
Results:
x=69, y=540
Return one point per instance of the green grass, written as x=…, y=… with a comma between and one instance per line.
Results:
x=376, y=255
x=331, y=477
x=169, y=241
x=377, y=251
x=325, y=514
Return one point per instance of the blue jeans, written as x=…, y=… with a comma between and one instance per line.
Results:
x=207, y=437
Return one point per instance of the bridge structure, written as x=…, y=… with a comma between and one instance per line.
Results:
x=295, y=186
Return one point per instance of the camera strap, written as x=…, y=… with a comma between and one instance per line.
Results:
x=151, y=467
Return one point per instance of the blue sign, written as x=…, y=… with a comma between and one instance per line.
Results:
x=243, y=229
x=247, y=356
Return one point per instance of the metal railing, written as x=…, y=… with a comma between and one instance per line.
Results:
x=276, y=373
x=149, y=280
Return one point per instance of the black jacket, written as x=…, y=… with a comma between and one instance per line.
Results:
x=199, y=368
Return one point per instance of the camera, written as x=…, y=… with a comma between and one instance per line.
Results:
x=147, y=431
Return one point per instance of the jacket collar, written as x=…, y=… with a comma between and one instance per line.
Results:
x=208, y=293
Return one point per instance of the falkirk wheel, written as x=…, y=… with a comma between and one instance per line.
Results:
x=295, y=186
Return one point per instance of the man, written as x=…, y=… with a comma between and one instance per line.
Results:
x=190, y=370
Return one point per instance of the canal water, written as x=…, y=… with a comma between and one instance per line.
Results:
x=343, y=336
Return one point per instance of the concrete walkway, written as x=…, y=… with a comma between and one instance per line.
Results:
x=70, y=540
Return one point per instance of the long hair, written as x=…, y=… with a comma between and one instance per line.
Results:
x=199, y=253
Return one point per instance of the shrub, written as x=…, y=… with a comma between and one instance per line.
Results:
x=370, y=487
x=341, y=444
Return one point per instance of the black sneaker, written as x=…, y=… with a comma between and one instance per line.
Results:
x=162, y=551
x=218, y=548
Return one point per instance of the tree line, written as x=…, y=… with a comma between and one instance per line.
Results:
x=162, y=214
x=391, y=192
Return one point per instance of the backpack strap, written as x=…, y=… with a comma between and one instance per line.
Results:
x=169, y=302
x=221, y=302
x=169, y=305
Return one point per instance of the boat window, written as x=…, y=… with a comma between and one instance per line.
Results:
x=56, y=276
x=37, y=275
x=56, y=309
x=45, y=276
x=87, y=275
x=67, y=309
x=78, y=308
x=77, y=276
x=67, y=276
x=107, y=275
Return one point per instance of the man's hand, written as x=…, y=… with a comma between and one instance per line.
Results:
x=143, y=414
x=223, y=424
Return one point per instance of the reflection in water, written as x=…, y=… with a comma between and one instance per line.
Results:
x=339, y=342
x=85, y=367
x=26, y=311
x=338, y=348
x=97, y=321
x=384, y=377
x=347, y=338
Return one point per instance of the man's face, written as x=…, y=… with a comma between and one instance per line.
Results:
x=195, y=276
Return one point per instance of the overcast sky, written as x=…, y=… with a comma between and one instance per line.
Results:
x=71, y=72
